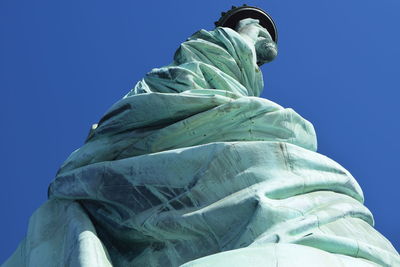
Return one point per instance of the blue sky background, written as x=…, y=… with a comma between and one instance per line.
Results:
x=64, y=63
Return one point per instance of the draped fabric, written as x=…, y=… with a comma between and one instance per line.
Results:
x=192, y=168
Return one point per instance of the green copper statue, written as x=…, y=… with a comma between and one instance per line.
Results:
x=192, y=168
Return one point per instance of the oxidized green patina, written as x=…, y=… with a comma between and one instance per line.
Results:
x=192, y=168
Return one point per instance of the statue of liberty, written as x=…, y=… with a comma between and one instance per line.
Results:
x=192, y=168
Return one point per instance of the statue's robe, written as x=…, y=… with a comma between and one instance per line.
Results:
x=192, y=168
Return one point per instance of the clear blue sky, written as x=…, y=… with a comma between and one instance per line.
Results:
x=63, y=63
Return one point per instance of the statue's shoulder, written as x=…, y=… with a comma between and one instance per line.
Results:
x=216, y=34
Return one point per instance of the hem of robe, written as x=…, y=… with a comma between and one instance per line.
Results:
x=282, y=255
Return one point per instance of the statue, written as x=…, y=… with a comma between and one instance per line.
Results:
x=192, y=168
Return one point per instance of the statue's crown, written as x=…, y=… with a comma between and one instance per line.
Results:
x=231, y=18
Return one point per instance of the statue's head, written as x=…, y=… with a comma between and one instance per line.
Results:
x=232, y=17
x=257, y=25
x=265, y=48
